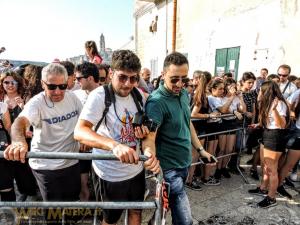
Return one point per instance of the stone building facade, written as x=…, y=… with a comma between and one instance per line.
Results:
x=220, y=36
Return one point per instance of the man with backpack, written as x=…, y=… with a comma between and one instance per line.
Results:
x=106, y=124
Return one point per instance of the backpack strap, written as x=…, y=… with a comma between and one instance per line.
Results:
x=107, y=102
x=110, y=98
x=286, y=86
x=137, y=98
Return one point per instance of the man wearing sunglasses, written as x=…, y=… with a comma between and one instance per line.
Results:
x=53, y=115
x=287, y=88
x=119, y=180
x=169, y=107
x=87, y=75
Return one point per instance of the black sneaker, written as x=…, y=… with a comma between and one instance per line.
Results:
x=258, y=191
x=289, y=183
x=211, y=181
x=254, y=174
x=194, y=185
x=225, y=173
x=267, y=202
x=282, y=192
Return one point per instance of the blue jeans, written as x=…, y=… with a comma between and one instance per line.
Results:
x=178, y=200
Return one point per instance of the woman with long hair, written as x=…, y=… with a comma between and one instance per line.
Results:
x=12, y=85
x=92, y=52
x=32, y=75
x=201, y=111
x=273, y=117
x=293, y=145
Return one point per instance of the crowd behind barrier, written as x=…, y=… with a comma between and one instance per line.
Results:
x=215, y=103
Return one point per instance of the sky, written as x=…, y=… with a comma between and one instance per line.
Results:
x=41, y=30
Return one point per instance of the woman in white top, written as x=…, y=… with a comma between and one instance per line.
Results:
x=293, y=145
x=273, y=118
x=231, y=103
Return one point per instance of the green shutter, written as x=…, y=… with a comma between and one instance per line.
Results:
x=227, y=60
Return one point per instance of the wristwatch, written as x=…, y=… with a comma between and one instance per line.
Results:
x=200, y=149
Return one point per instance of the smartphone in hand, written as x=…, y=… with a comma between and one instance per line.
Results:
x=212, y=160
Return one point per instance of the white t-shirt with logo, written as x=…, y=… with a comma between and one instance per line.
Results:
x=119, y=127
x=53, y=124
x=281, y=108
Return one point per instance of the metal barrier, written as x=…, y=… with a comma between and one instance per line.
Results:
x=238, y=153
x=156, y=204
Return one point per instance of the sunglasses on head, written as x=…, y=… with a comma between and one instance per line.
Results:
x=52, y=87
x=123, y=78
x=176, y=79
x=13, y=82
x=282, y=75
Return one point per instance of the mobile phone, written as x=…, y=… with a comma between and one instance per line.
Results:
x=212, y=160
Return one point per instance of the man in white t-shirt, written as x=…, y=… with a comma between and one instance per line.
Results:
x=53, y=115
x=122, y=180
x=87, y=75
x=287, y=88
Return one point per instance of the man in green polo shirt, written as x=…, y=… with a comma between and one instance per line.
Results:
x=168, y=107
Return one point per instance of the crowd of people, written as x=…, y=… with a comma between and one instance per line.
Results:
x=93, y=107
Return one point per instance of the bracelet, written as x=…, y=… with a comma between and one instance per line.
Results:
x=209, y=116
x=200, y=149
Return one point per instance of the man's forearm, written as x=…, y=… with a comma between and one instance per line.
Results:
x=148, y=144
x=18, y=129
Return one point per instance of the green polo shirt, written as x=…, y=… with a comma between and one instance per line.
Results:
x=172, y=114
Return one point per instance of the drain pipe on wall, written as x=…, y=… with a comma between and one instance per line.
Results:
x=174, y=25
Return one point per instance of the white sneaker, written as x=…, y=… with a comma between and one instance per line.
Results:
x=294, y=176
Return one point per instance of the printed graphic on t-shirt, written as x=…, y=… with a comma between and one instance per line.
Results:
x=123, y=131
x=59, y=119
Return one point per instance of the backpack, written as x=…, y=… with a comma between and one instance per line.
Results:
x=110, y=98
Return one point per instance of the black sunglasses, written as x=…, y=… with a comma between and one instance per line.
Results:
x=52, y=87
x=102, y=79
x=79, y=78
x=123, y=78
x=176, y=79
x=282, y=75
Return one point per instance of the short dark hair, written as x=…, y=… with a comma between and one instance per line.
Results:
x=104, y=67
x=228, y=74
x=285, y=66
x=69, y=67
x=248, y=76
x=175, y=58
x=88, y=69
x=265, y=69
x=125, y=60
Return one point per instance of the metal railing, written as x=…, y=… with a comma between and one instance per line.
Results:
x=156, y=204
x=238, y=153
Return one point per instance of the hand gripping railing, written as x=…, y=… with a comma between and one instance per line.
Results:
x=156, y=204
